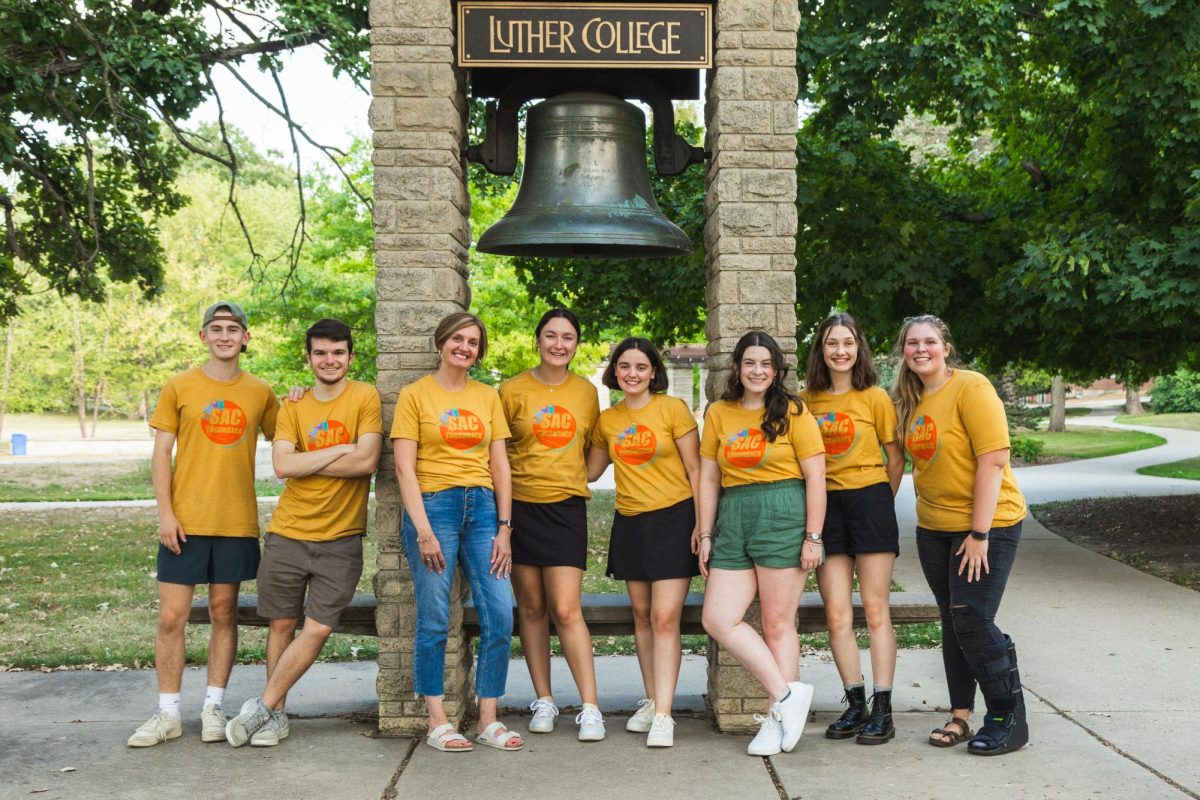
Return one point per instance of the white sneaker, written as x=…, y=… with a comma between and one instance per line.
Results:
x=212, y=724
x=769, y=740
x=643, y=718
x=793, y=713
x=662, y=732
x=273, y=732
x=159, y=728
x=591, y=724
x=544, y=714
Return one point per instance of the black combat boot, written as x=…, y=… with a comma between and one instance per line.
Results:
x=1005, y=727
x=879, y=728
x=852, y=721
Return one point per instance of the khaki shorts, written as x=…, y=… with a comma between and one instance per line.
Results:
x=327, y=572
x=760, y=524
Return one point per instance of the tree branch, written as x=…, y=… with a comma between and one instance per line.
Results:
x=973, y=217
x=1040, y=181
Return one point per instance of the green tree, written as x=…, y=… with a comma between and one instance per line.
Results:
x=92, y=97
x=1072, y=239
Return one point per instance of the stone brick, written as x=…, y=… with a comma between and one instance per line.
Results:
x=423, y=113
x=769, y=40
x=746, y=219
x=409, y=282
x=380, y=117
x=382, y=39
x=769, y=244
x=777, y=185
x=767, y=287
x=754, y=15
x=745, y=58
x=771, y=83
x=402, y=79
x=412, y=13
x=787, y=15
x=736, y=116
x=728, y=82
x=722, y=288
x=785, y=116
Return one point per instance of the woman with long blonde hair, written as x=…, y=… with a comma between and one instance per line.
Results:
x=969, y=513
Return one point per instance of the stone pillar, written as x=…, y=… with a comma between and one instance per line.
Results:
x=418, y=115
x=750, y=209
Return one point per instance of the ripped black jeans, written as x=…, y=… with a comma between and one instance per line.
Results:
x=970, y=637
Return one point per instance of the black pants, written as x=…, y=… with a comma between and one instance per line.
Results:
x=970, y=637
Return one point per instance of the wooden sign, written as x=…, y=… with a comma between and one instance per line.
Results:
x=514, y=34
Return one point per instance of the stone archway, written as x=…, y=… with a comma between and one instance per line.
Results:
x=418, y=116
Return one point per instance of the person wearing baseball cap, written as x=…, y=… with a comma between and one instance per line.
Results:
x=210, y=416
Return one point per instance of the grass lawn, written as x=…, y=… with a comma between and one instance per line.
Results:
x=1093, y=442
x=77, y=588
x=119, y=480
x=1190, y=422
x=1188, y=468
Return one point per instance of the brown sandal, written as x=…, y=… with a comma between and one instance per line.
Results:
x=953, y=736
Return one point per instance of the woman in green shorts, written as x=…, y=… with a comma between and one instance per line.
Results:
x=764, y=450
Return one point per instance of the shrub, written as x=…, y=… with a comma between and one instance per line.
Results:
x=1176, y=393
x=1027, y=449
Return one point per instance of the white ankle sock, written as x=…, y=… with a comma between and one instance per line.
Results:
x=168, y=703
x=214, y=696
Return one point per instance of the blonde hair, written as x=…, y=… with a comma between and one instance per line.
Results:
x=452, y=323
x=907, y=387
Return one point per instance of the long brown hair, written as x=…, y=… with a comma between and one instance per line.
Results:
x=779, y=402
x=907, y=388
x=862, y=376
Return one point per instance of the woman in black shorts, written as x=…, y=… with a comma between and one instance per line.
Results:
x=860, y=534
x=551, y=412
x=651, y=441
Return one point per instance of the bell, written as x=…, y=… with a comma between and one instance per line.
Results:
x=585, y=191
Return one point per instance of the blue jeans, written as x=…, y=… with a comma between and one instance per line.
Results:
x=970, y=638
x=464, y=521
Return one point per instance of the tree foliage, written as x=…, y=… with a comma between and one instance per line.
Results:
x=93, y=95
x=1071, y=239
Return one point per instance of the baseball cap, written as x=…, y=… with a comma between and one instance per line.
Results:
x=232, y=308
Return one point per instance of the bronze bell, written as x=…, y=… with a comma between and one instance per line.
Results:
x=585, y=191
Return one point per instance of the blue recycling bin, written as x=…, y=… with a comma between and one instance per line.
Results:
x=19, y=440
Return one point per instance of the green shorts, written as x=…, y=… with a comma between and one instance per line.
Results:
x=760, y=524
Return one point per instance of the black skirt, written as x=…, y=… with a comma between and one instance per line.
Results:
x=654, y=546
x=550, y=534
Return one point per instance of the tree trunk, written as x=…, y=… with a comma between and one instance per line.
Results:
x=1133, y=399
x=7, y=373
x=96, y=398
x=80, y=377
x=1058, y=405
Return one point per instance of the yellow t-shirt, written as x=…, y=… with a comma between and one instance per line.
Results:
x=641, y=444
x=854, y=425
x=317, y=508
x=949, y=429
x=453, y=432
x=733, y=438
x=216, y=424
x=551, y=429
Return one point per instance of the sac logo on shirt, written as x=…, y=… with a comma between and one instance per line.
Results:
x=837, y=431
x=636, y=445
x=223, y=422
x=554, y=426
x=461, y=428
x=922, y=439
x=327, y=433
x=746, y=449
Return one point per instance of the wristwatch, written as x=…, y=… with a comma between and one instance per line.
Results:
x=507, y=522
x=981, y=536
x=814, y=537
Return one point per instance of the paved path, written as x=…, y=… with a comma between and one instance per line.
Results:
x=1108, y=656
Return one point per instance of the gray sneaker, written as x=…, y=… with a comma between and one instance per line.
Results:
x=253, y=717
x=273, y=732
x=159, y=728
x=212, y=724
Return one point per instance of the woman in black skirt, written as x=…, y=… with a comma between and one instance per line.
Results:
x=652, y=442
x=551, y=412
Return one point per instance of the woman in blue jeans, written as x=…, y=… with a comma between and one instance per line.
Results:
x=969, y=513
x=449, y=437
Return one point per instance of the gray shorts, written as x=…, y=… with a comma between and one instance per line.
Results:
x=327, y=572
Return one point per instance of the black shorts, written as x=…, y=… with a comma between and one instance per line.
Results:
x=209, y=559
x=550, y=534
x=654, y=546
x=861, y=521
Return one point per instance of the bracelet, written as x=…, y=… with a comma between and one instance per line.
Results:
x=704, y=536
x=426, y=539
